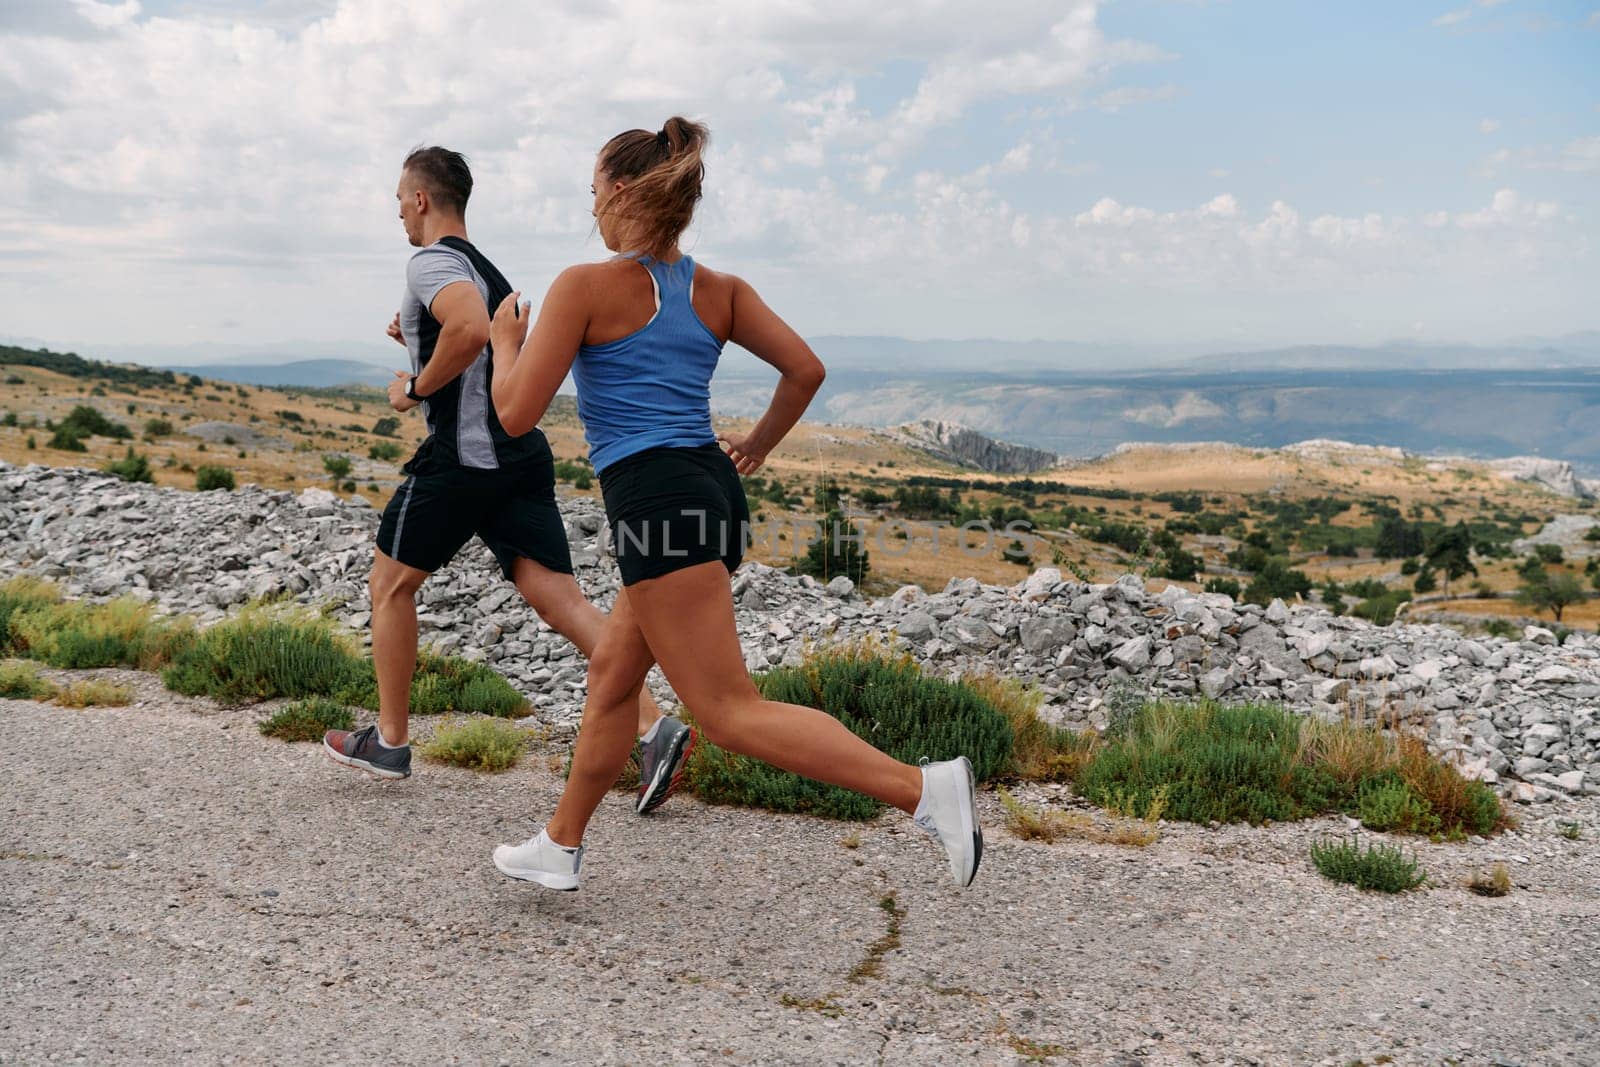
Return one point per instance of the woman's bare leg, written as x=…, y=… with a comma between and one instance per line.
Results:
x=617, y=670
x=687, y=623
x=560, y=602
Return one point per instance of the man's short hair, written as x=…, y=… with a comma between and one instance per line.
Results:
x=443, y=174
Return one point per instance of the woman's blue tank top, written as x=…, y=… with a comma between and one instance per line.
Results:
x=651, y=388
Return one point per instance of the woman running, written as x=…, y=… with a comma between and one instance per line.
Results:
x=641, y=334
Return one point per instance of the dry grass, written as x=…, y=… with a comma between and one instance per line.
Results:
x=1039, y=752
x=821, y=1005
x=93, y=692
x=1496, y=882
x=1031, y=823
x=1353, y=754
x=1034, y=1051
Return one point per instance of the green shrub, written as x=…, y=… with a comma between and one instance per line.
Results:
x=307, y=720
x=21, y=681
x=490, y=745
x=208, y=478
x=257, y=656
x=20, y=595
x=574, y=470
x=1385, y=868
x=67, y=439
x=385, y=451
x=444, y=684
x=1387, y=803
x=132, y=468
x=78, y=634
x=86, y=421
x=1217, y=763
x=157, y=428
x=885, y=699
x=1258, y=762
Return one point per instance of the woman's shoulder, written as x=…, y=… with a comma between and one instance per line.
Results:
x=715, y=280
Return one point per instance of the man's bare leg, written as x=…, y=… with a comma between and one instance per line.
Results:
x=393, y=587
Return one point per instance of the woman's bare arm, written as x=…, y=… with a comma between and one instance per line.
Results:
x=759, y=329
x=528, y=372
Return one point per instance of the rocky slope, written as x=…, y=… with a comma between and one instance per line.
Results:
x=1522, y=711
x=966, y=447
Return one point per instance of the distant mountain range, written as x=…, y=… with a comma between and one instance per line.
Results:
x=1527, y=397
x=311, y=373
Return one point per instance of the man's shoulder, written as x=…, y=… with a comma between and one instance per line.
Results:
x=438, y=253
x=432, y=268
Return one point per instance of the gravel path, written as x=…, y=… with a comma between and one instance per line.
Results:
x=176, y=888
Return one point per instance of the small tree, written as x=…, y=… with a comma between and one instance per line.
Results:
x=208, y=478
x=387, y=426
x=1179, y=565
x=1549, y=553
x=1276, y=579
x=1397, y=538
x=1425, y=582
x=840, y=550
x=67, y=439
x=1554, y=594
x=338, y=467
x=131, y=468
x=1451, y=552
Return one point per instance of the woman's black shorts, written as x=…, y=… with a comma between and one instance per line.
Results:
x=672, y=508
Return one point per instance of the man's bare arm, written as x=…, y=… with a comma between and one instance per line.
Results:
x=463, y=333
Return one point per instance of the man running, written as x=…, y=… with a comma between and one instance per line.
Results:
x=469, y=476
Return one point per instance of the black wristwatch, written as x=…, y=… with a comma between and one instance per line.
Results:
x=411, y=389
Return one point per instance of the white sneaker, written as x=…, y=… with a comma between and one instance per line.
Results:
x=538, y=859
x=949, y=812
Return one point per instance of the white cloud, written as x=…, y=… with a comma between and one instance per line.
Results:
x=107, y=15
x=1593, y=21
x=1116, y=99
x=1581, y=156
x=1017, y=160
x=1488, y=125
x=209, y=174
x=1451, y=18
x=1508, y=209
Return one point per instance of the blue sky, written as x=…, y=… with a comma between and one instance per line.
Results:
x=1215, y=174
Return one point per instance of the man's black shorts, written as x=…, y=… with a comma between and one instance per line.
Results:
x=671, y=508
x=440, y=506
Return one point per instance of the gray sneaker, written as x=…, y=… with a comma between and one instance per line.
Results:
x=360, y=749
x=661, y=763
